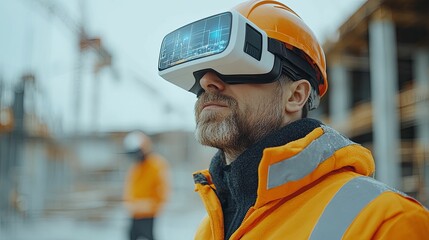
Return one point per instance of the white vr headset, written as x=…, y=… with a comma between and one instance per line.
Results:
x=234, y=48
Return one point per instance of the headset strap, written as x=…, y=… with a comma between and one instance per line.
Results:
x=294, y=65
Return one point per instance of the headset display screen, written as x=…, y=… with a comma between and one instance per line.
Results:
x=199, y=39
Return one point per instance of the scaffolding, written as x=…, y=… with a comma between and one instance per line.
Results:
x=379, y=80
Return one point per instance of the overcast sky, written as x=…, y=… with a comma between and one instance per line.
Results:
x=130, y=94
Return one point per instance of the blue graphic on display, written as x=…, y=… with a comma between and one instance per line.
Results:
x=203, y=38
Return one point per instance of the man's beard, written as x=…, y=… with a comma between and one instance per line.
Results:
x=238, y=129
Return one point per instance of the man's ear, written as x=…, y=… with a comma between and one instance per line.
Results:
x=299, y=91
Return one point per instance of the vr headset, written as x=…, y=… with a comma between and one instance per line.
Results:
x=235, y=49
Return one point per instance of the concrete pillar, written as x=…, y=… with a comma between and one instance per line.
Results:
x=421, y=73
x=384, y=84
x=339, y=93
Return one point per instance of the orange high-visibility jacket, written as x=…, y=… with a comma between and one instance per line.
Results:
x=317, y=187
x=148, y=180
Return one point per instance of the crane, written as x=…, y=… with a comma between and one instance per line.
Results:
x=86, y=43
x=104, y=59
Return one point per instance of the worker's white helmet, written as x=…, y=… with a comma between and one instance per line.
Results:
x=137, y=144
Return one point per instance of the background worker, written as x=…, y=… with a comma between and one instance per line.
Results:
x=256, y=71
x=146, y=186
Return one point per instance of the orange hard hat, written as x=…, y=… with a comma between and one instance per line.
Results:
x=283, y=24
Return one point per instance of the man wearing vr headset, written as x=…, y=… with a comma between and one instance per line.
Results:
x=256, y=71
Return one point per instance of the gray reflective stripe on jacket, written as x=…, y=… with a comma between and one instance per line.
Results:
x=305, y=162
x=347, y=203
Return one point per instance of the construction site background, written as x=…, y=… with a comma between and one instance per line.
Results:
x=69, y=96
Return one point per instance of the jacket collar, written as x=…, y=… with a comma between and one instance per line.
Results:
x=286, y=161
x=239, y=180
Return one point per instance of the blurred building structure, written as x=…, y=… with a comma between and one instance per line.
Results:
x=379, y=89
x=46, y=174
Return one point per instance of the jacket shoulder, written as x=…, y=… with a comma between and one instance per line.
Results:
x=382, y=213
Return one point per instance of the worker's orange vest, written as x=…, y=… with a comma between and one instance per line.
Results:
x=318, y=188
x=148, y=179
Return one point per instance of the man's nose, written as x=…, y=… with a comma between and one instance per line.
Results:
x=211, y=82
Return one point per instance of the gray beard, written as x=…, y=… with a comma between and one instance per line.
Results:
x=237, y=131
x=218, y=133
